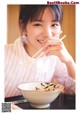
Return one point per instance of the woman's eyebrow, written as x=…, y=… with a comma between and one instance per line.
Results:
x=37, y=20
x=54, y=20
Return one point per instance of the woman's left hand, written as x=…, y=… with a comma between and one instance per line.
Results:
x=15, y=107
x=57, y=48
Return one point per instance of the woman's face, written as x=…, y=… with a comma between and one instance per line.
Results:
x=39, y=31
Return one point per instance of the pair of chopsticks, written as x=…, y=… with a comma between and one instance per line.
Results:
x=39, y=55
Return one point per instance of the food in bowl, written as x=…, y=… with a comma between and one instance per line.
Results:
x=40, y=94
x=48, y=87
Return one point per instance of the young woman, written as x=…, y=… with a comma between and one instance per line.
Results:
x=39, y=26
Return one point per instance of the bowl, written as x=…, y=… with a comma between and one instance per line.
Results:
x=40, y=94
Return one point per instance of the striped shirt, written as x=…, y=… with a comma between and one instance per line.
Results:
x=46, y=68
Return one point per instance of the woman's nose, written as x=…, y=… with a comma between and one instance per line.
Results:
x=47, y=33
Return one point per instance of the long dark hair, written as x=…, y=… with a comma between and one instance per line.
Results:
x=33, y=12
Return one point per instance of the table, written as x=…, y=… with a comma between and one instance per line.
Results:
x=63, y=101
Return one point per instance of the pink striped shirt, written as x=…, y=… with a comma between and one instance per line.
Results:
x=43, y=69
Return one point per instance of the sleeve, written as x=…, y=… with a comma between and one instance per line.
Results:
x=62, y=77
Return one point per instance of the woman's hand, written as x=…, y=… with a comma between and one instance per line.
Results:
x=57, y=48
x=14, y=107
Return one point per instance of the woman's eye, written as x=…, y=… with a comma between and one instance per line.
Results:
x=54, y=25
x=37, y=25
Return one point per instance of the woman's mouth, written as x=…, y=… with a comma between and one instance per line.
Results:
x=41, y=41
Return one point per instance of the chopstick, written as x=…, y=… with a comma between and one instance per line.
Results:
x=43, y=47
x=62, y=37
x=36, y=54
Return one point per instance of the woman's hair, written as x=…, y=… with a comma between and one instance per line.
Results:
x=34, y=12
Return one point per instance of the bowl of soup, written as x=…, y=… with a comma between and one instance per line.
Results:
x=40, y=94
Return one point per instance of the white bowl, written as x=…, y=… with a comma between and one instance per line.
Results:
x=39, y=97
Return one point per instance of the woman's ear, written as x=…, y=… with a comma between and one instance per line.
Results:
x=22, y=28
x=23, y=32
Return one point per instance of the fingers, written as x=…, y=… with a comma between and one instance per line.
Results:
x=53, y=45
x=54, y=42
x=56, y=53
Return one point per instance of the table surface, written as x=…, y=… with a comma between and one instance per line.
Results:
x=63, y=101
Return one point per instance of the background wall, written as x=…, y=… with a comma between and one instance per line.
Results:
x=68, y=26
x=12, y=23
